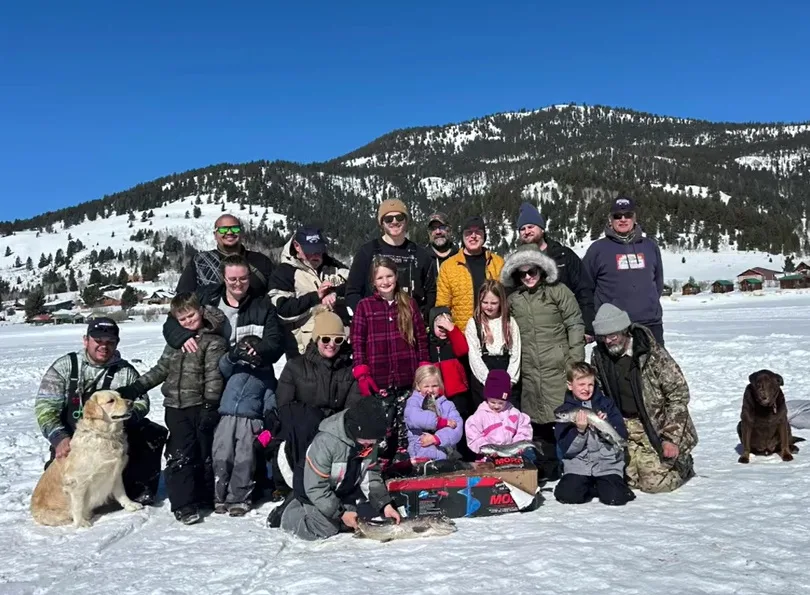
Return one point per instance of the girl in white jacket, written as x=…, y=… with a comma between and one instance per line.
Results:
x=494, y=341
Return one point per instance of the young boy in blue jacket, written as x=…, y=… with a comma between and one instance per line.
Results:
x=591, y=465
x=248, y=398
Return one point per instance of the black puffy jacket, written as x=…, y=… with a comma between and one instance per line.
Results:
x=327, y=384
x=569, y=273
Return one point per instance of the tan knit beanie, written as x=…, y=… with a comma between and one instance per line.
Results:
x=328, y=324
x=392, y=205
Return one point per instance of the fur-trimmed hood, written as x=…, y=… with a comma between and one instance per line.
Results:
x=528, y=254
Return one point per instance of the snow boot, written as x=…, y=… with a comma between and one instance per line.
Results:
x=188, y=515
x=220, y=508
x=238, y=509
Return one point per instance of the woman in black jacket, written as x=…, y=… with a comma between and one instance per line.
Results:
x=322, y=377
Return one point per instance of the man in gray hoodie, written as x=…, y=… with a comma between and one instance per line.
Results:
x=340, y=470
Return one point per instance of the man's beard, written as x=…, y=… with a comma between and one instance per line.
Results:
x=440, y=243
x=617, y=349
x=234, y=249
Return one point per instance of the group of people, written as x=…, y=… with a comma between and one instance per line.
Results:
x=411, y=354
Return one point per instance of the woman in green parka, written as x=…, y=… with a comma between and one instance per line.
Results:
x=552, y=334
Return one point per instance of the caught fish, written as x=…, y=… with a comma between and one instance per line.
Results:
x=597, y=423
x=509, y=450
x=408, y=528
x=429, y=404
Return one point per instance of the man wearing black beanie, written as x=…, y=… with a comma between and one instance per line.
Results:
x=341, y=468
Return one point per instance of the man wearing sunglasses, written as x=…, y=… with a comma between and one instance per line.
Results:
x=440, y=247
x=531, y=226
x=416, y=269
x=204, y=272
x=307, y=279
x=625, y=269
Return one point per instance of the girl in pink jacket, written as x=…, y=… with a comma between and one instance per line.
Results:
x=496, y=421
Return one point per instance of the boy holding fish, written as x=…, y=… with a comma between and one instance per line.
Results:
x=591, y=437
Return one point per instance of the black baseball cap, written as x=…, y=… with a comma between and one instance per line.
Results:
x=102, y=328
x=311, y=240
x=623, y=204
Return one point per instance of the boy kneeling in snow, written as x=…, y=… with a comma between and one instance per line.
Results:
x=341, y=468
x=591, y=465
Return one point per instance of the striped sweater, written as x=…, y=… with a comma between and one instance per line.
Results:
x=52, y=397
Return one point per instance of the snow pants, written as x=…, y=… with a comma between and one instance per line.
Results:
x=646, y=471
x=187, y=455
x=578, y=489
x=234, y=459
x=307, y=522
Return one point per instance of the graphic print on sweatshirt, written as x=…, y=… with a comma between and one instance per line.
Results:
x=626, y=262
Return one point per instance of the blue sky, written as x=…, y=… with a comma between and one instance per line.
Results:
x=97, y=97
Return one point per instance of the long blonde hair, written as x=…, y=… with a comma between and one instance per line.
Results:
x=425, y=372
x=497, y=289
x=402, y=299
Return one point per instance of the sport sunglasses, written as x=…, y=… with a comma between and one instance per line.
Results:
x=224, y=230
x=618, y=216
x=391, y=218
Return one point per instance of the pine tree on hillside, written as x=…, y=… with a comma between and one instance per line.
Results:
x=34, y=303
x=123, y=277
x=188, y=216
x=96, y=278
x=197, y=212
x=129, y=298
x=8, y=250
x=72, y=285
x=43, y=262
x=59, y=259
x=91, y=295
x=17, y=263
x=790, y=265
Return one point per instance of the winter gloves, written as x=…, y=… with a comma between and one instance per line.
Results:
x=130, y=392
x=364, y=380
x=244, y=350
x=209, y=416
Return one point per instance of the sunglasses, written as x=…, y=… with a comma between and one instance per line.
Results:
x=438, y=227
x=532, y=272
x=337, y=340
x=399, y=218
x=234, y=229
x=618, y=216
x=611, y=338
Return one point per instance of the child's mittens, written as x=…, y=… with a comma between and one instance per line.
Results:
x=364, y=380
x=264, y=438
x=441, y=423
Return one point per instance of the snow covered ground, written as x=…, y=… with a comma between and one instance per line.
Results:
x=732, y=529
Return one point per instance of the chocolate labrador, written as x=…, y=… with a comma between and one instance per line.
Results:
x=764, y=428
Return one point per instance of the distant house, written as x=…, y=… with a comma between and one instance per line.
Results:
x=768, y=277
x=41, y=319
x=690, y=289
x=722, y=286
x=110, y=287
x=751, y=284
x=67, y=316
x=53, y=306
x=803, y=268
x=107, y=301
x=161, y=296
x=667, y=290
x=794, y=281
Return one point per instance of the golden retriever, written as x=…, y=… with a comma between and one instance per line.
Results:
x=72, y=487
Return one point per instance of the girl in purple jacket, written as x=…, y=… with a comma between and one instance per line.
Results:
x=434, y=425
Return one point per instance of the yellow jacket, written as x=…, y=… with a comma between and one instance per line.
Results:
x=454, y=288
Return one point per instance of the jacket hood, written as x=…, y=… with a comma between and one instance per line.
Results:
x=213, y=320
x=528, y=254
x=434, y=314
x=335, y=426
x=636, y=235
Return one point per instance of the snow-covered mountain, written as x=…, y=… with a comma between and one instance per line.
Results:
x=720, y=196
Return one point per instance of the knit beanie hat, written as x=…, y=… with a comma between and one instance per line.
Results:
x=498, y=385
x=529, y=215
x=366, y=420
x=610, y=319
x=392, y=205
x=327, y=324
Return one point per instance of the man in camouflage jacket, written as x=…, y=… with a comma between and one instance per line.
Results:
x=100, y=366
x=651, y=391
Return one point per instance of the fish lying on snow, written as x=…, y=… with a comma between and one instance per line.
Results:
x=597, y=423
x=408, y=528
x=509, y=450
